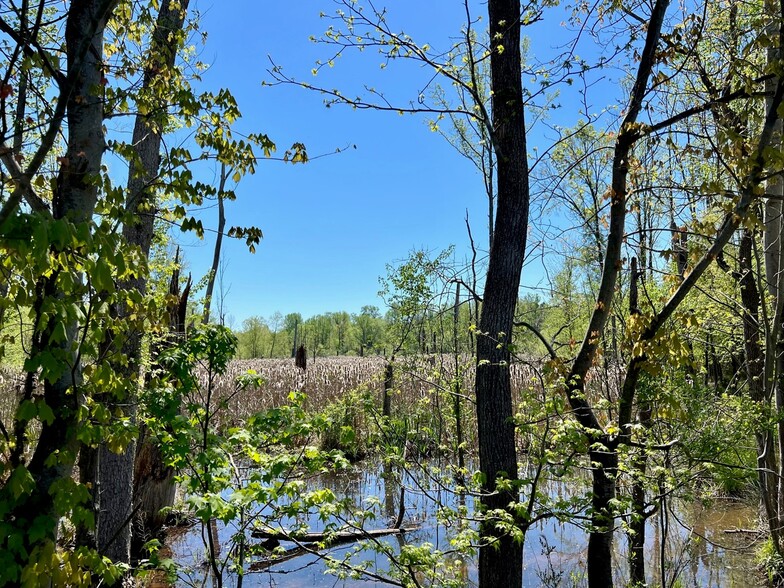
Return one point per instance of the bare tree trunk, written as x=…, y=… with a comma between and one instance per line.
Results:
x=774, y=258
x=75, y=198
x=457, y=387
x=501, y=558
x=755, y=380
x=153, y=488
x=115, y=471
x=301, y=359
x=218, y=244
x=638, y=518
x=638, y=521
x=153, y=481
x=604, y=469
x=603, y=455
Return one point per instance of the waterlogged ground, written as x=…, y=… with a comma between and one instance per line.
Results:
x=700, y=547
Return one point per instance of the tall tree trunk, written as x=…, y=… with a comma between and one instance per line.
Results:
x=774, y=255
x=773, y=250
x=74, y=199
x=638, y=518
x=755, y=380
x=217, y=253
x=154, y=487
x=501, y=559
x=603, y=456
x=115, y=471
x=604, y=469
x=458, y=392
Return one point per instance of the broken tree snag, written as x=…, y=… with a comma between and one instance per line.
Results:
x=301, y=358
x=330, y=538
x=680, y=247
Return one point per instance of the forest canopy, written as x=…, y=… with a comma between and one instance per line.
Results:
x=645, y=367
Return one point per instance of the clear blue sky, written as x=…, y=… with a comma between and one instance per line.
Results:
x=330, y=226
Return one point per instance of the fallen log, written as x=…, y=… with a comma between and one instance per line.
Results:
x=309, y=542
x=330, y=537
x=265, y=564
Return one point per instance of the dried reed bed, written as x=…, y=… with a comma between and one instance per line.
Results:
x=329, y=378
x=324, y=381
x=422, y=393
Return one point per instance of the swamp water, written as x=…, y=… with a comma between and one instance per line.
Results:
x=704, y=546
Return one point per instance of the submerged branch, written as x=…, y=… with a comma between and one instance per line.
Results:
x=330, y=538
x=309, y=543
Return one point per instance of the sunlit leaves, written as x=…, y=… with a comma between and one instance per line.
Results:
x=409, y=292
x=252, y=236
x=184, y=413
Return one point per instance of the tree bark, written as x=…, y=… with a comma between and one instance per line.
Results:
x=604, y=463
x=154, y=487
x=755, y=380
x=774, y=257
x=639, y=465
x=115, y=471
x=74, y=199
x=217, y=253
x=500, y=558
x=458, y=392
x=637, y=523
x=604, y=470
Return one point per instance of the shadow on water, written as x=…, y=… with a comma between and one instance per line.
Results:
x=697, y=545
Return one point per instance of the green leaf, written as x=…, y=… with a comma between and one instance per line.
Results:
x=102, y=277
x=20, y=482
x=41, y=527
x=26, y=411
x=45, y=412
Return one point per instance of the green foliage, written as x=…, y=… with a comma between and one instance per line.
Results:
x=717, y=432
x=245, y=476
x=350, y=424
x=330, y=333
x=409, y=290
x=770, y=560
x=68, y=310
x=370, y=329
x=71, y=306
x=69, y=317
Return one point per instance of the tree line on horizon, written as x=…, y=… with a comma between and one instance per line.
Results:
x=659, y=349
x=371, y=332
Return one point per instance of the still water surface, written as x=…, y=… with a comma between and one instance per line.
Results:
x=698, y=549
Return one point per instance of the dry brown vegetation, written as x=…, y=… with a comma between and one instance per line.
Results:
x=422, y=396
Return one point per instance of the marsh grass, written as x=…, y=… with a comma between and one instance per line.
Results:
x=350, y=389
